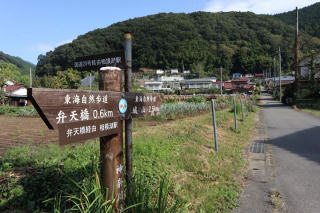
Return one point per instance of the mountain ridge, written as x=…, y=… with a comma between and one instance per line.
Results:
x=200, y=41
x=22, y=65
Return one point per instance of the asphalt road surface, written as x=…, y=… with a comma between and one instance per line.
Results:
x=295, y=140
x=293, y=168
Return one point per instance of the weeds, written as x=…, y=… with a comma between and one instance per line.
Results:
x=21, y=111
x=195, y=179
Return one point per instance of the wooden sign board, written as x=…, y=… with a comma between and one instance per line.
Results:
x=92, y=62
x=70, y=111
x=84, y=130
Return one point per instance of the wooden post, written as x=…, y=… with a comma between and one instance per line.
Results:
x=214, y=125
x=242, y=117
x=247, y=107
x=111, y=147
x=235, y=113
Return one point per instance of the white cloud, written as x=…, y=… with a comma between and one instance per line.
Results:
x=256, y=6
x=43, y=48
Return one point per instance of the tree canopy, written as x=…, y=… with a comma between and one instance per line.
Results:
x=8, y=72
x=239, y=42
x=22, y=65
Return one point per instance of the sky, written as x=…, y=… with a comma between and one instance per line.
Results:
x=32, y=27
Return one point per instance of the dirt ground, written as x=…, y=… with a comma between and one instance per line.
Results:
x=15, y=131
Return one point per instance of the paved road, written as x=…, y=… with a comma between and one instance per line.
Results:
x=295, y=140
x=292, y=164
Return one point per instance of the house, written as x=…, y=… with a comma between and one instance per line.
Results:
x=259, y=76
x=240, y=85
x=218, y=84
x=228, y=86
x=305, y=68
x=159, y=72
x=199, y=83
x=174, y=71
x=250, y=76
x=186, y=72
x=87, y=81
x=17, y=95
x=236, y=75
x=153, y=85
x=172, y=82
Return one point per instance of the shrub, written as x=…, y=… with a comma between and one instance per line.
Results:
x=196, y=99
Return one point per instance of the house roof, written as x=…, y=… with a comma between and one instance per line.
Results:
x=87, y=80
x=242, y=79
x=200, y=80
x=12, y=88
x=228, y=85
x=153, y=82
x=217, y=82
x=259, y=75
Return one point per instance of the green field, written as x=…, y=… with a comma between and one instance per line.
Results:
x=174, y=163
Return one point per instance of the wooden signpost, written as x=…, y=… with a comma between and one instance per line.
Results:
x=80, y=115
x=93, y=62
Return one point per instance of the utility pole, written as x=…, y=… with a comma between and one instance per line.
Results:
x=221, y=80
x=274, y=69
x=280, y=74
x=90, y=81
x=30, y=78
x=296, y=57
x=128, y=122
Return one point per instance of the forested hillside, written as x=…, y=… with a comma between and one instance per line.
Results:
x=309, y=19
x=23, y=66
x=200, y=41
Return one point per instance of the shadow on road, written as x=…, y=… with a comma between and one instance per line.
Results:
x=305, y=143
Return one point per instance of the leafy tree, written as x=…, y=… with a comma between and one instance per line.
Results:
x=8, y=72
x=25, y=80
x=68, y=79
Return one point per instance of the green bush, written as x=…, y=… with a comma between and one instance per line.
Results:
x=13, y=110
x=196, y=99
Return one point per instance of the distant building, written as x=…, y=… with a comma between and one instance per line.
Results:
x=17, y=95
x=305, y=68
x=159, y=72
x=186, y=72
x=174, y=71
x=236, y=75
x=153, y=85
x=250, y=76
x=218, y=84
x=87, y=81
x=240, y=85
x=170, y=78
x=259, y=76
x=199, y=83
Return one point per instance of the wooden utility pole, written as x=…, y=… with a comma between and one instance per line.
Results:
x=280, y=95
x=30, y=78
x=111, y=147
x=296, y=57
x=221, y=80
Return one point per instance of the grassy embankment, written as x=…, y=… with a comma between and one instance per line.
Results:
x=311, y=108
x=182, y=151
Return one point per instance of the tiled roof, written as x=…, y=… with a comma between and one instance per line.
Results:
x=12, y=88
x=259, y=75
x=242, y=79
